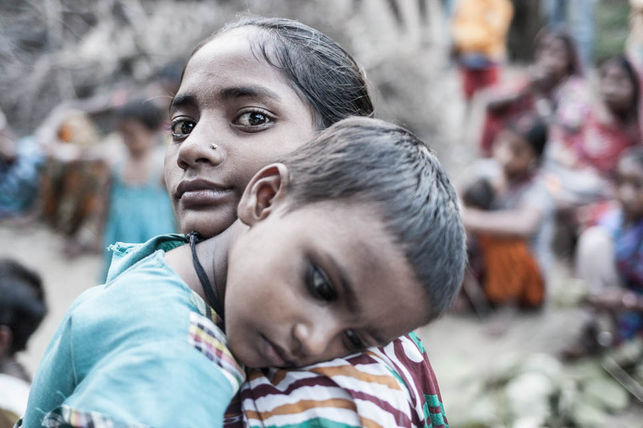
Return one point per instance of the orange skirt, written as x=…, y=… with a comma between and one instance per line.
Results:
x=510, y=272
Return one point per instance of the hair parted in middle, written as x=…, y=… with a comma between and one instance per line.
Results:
x=363, y=160
x=318, y=68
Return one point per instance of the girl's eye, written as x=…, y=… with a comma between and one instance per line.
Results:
x=181, y=128
x=354, y=343
x=319, y=285
x=253, y=119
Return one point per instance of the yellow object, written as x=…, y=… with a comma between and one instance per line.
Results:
x=481, y=26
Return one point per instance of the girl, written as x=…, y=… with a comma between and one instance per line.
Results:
x=250, y=93
x=138, y=206
x=554, y=89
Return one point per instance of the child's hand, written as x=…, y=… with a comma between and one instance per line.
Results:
x=610, y=299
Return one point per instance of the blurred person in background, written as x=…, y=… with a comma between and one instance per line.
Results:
x=75, y=177
x=20, y=166
x=22, y=308
x=479, y=42
x=578, y=16
x=554, y=88
x=609, y=259
x=581, y=165
x=509, y=220
x=138, y=207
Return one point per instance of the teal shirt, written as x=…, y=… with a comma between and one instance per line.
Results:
x=120, y=356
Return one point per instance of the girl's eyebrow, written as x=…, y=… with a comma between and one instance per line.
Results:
x=181, y=101
x=253, y=91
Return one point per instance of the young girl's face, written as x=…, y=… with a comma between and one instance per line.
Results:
x=514, y=153
x=232, y=114
x=318, y=282
x=137, y=138
x=616, y=88
x=552, y=57
x=630, y=187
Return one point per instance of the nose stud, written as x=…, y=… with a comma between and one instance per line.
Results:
x=214, y=146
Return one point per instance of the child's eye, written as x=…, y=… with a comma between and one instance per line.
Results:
x=319, y=285
x=251, y=120
x=181, y=128
x=353, y=342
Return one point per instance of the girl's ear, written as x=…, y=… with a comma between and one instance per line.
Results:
x=266, y=190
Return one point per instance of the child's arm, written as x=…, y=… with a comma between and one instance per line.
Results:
x=522, y=222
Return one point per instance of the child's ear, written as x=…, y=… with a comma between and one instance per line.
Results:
x=265, y=190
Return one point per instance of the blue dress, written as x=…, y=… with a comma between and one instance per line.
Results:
x=137, y=212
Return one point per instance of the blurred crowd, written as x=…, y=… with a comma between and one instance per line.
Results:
x=559, y=174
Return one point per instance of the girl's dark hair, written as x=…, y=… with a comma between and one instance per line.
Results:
x=533, y=129
x=318, y=68
x=143, y=111
x=574, y=67
x=22, y=302
x=363, y=160
x=626, y=65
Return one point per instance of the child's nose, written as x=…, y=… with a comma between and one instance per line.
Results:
x=314, y=338
x=200, y=149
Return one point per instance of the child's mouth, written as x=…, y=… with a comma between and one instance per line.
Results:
x=275, y=355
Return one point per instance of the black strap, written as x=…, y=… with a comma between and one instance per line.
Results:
x=208, y=288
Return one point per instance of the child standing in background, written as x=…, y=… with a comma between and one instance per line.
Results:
x=479, y=36
x=138, y=206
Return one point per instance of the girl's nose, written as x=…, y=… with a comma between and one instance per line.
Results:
x=199, y=149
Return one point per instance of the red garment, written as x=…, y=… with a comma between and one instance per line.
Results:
x=601, y=142
x=475, y=79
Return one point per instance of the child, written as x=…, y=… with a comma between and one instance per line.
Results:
x=514, y=235
x=138, y=206
x=22, y=308
x=479, y=35
x=610, y=256
x=304, y=276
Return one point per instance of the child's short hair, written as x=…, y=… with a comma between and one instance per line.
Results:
x=533, y=129
x=144, y=111
x=319, y=69
x=22, y=302
x=371, y=161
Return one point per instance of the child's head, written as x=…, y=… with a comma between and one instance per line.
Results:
x=479, y=194
x=138, y=122
x=629, y=180
x=354, y=239
x=249, y=94
x=619, y=86
x=22, y=306
x=556, y=54
x=520, y=145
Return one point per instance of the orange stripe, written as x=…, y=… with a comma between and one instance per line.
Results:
x=345, y=370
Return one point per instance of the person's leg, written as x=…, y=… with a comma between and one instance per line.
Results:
x=595, y=260
x=581, y=19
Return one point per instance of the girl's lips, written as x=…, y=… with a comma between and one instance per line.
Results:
x=201, y=192
x=204, y=197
